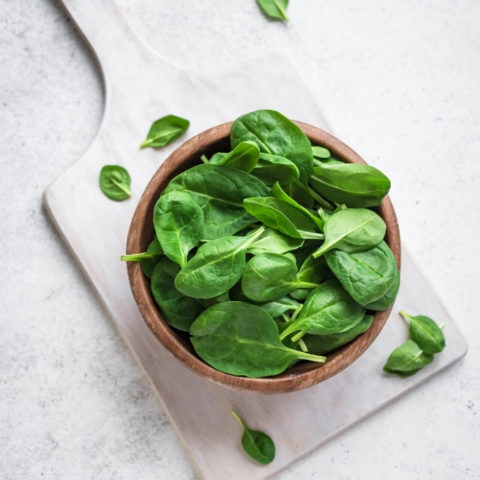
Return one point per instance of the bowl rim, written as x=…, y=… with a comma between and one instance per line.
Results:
x=300, y=376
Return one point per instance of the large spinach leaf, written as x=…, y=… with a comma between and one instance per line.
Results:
x=242, y=339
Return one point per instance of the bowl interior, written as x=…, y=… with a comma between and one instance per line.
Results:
x=141, y=233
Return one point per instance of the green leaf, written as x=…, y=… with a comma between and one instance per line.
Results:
x=243, y=157
x=407, y=359
x=115, y=182
x=216, y=267
x=367, y=276
x=352, y=230
x=165, y=130
x=272, y=241
x=321, y=152
x=178, y=222
x=220, y=191
x=271, y=168
x=277, y=135
x=277, y=308
x=147, y=259
x=327, y=310
x=256, y=443
x=388, y=298
x=353, y=184
x=314, y=270
x=274, y=9
x=179, y=311
x=242, y=339
x=425, y=333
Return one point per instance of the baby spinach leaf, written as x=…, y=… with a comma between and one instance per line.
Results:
x=147, y=259
x=280, y=194
x=272, y=241
x=270, y=276
x=220, y=191
x=323, y=344
x=179, y=311
x=257, y=444
x=275, y=9
x=277, y=135
x=272, y=168
x=281, y=216
x=115, y=182
x=300, y=293
x=352, y=230
x=389, y=298
x=242, y=339
x=367, y=276
x=354, y=184
x=425, y=333
x=216, y=267
x=277, y=308
x=407, y=359
x=321, y=152
x=314, y=270
x=328, y=309
x=178, y=222
x=244, y=157
x=165, y=130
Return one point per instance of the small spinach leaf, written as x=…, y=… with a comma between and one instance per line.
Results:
x=321, y=152
x=271, y=168
x=242, y=339
x=165, y=130
x=277, y=308
x=425, y=333
x=243, y=157
x=314, y=270
x=407, y=359
x=115, y=182
x=216, y=267
x=257, y=444
x=352, y=230
x=275, y=9
x=272, y=241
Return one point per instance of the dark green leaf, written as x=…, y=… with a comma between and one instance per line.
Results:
x=275, y=9
x=389, y=298
x=277, y=135
x=425, y=333
x=257, y=444
x=242, y=339
x=272, y=168
x=409, y=358
x=115, y=182
x=165, y=130
x=178, y=222
x=243, y=157
x=220, y=191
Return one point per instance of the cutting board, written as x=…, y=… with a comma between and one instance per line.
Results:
x=141, y=86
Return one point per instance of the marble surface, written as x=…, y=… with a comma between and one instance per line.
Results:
x=398, y=82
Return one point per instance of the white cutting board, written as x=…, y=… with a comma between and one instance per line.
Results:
x=140, y=86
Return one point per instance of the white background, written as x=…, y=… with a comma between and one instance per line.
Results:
x=398, y=81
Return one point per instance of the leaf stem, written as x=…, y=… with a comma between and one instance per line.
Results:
x=239, y=418
x=324, y=248
x=204, y=159
x=302, y=345
x=298, y=336
x=136, y=257
x=311, y=235
x=405, y=316
x=310, y=356
x=319, y=199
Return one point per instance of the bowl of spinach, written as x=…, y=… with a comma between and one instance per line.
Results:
x=264, y=254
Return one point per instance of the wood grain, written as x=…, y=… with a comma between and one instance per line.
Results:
x=199, y=409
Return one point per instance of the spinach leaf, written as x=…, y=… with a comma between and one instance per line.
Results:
x=275, y=9
x=323, y=344
x=281, y=216
x=328, y=309
x=407, y=359
x=220, y=191
x=314, y=270
x=257, y=444
x=277, y=135
x=147, y=259
x=272, y=241
x=425, y=333
x=389, y=298
x=165, y=130
x=352, y=230
x=242, y=339
x=178, y=222
x=216, y=267
x=270, y=276
x=115, y=182
x=321, y=152
x=244, y=157
x=277, y=308
x=367, y=276
x=271, y=168
x=299, y=192
x=354, y=184
x=300, y=293
x=280, y=194
x=179, y=311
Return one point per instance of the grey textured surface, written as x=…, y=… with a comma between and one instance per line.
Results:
x=398, y=82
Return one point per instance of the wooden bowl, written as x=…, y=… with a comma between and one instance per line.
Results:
x=141, y=233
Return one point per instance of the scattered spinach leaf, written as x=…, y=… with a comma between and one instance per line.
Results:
x=115, y=182
x=274, y=9
x=165, y=130
x=407, y=359
x=425, y=333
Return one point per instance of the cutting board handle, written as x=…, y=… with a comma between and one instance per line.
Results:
x=109, y=34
